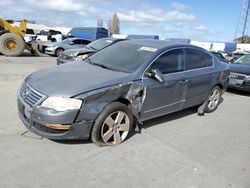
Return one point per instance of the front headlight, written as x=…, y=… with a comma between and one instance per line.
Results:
x=62, y=104
x=247, y=80
x=81, y=57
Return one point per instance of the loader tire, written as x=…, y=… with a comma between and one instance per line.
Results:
x=11, y=44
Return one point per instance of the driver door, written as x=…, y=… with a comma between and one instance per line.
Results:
x=167, y=96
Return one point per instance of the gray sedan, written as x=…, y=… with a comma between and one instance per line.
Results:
x=56, y=48
x=130, y=81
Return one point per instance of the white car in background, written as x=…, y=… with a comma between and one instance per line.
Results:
x=49, y=35
x=30, y=35
x=45, y=35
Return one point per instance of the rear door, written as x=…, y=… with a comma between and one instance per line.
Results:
x=199, y=72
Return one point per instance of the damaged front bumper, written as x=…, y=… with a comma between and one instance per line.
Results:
x=52, y=124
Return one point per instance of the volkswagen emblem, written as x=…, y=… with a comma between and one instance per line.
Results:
x=25, y=93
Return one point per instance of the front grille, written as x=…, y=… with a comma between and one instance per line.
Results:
x=29, y=95
x=238, y=76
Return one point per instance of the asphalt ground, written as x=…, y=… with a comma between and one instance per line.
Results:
x=180, y=150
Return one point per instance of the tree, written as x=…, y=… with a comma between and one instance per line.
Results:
x=243, y=39
x=114, y=24
x=100, y=23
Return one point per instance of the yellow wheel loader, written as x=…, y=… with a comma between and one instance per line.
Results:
x=12, y=41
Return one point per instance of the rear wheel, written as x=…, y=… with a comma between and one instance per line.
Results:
x=113, y=125
x=11, y=44
x=213, y=99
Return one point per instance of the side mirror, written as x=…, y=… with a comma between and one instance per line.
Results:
x=71, y=43
x=156, y=74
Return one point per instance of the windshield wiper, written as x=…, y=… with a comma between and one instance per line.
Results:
x=99, y=65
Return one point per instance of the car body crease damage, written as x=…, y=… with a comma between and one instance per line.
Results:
x=95, y=101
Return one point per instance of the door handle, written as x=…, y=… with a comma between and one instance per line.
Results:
x=183, y=82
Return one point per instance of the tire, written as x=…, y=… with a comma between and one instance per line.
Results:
x=11, y=44
x=58, y=51
x=113, y=125
x=213, y=99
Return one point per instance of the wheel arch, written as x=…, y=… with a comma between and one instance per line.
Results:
x=58, y=49
x=123, y=101
x=220, y=86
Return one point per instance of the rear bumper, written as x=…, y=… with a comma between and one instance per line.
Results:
x=38, y=120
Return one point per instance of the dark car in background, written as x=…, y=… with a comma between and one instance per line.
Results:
x=234, y=57
x=239, y=77
x=74, y=54
x=132, y=80
x=56, y=48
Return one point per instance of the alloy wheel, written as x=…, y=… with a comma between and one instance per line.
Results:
x=115, y=128
x=214, y=99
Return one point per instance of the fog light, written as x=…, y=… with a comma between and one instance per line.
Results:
x=58, y=126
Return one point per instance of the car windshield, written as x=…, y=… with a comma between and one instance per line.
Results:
x=99, y=44
x=245, y=59
x=123, y=57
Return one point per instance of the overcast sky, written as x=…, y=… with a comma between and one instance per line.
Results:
x=194, y=19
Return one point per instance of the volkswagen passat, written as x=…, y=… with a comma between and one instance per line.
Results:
x=129, y=81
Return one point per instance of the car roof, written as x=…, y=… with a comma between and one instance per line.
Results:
x=156, y=43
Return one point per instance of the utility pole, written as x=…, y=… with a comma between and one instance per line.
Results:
x=242, y=24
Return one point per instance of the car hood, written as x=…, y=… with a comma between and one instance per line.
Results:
x=239, y=68
x=72, y=79
x=79, y=50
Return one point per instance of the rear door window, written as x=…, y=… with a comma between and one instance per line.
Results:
x=170, y=62
x=196, y=59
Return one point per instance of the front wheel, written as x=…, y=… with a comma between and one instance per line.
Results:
x=58, y=52
x=213, y=99
x=113, y=125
